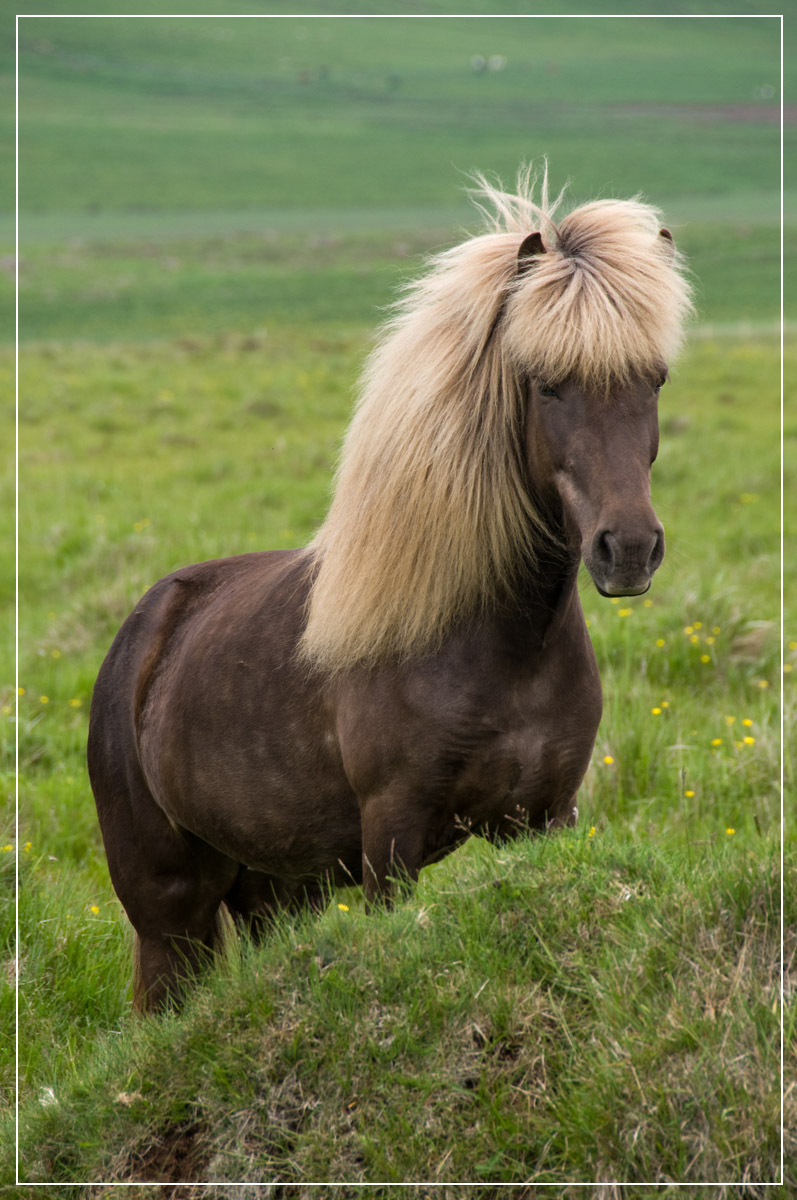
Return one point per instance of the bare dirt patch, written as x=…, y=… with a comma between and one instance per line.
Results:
x=709, y=114
x=178, y=1154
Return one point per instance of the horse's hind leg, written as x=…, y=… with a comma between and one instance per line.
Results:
x=170, y=883
x=174, y=907
x=162, y=963
x=178, y=920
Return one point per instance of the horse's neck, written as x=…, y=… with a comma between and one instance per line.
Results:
x=552, y=574
x=544, y=597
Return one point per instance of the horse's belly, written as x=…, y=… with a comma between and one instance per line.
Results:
x=284, y=813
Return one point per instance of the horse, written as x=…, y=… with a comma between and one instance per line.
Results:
x=270, y=725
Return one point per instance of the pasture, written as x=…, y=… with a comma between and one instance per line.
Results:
x=202, y=270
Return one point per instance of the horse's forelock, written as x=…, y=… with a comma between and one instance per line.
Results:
x=607, y=300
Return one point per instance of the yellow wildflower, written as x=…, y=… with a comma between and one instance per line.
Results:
x=343, y=907
x=607, y=758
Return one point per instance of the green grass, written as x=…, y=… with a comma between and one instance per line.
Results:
x=338, y=115
x=210, y=226
x=127, y=478
x=159, y=284
x=582, y=1008
x=163, y=163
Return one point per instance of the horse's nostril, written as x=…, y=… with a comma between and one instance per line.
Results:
x=657, y=553
x=603, y=549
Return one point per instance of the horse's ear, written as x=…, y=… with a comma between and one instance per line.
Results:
x=670, y=247
x=531, y=246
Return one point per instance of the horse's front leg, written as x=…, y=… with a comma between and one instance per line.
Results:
x=566, y=815
x=393, y=834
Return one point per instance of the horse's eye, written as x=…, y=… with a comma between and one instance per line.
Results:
x=546, y=390
x=660, y=383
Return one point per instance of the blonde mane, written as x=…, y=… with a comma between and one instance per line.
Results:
x=432, y=520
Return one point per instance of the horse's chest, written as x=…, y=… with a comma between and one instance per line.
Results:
x=529, y=771
x=484, y=746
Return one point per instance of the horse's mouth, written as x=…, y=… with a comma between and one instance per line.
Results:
x=626, y=590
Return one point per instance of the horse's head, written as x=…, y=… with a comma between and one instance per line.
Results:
x=606, y=294
x=590, y=454
x=436, y=449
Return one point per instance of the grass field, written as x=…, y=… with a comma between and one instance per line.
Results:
x=213, y=214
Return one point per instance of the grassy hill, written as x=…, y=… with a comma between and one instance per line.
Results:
x=213, y=214
x=572, y=1010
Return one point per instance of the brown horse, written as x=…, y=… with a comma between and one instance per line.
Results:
x=269, y=723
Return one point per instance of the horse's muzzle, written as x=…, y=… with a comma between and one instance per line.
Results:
x=623, y=564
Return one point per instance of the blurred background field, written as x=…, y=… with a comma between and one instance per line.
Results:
x=210, y=174
x=213, y=215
